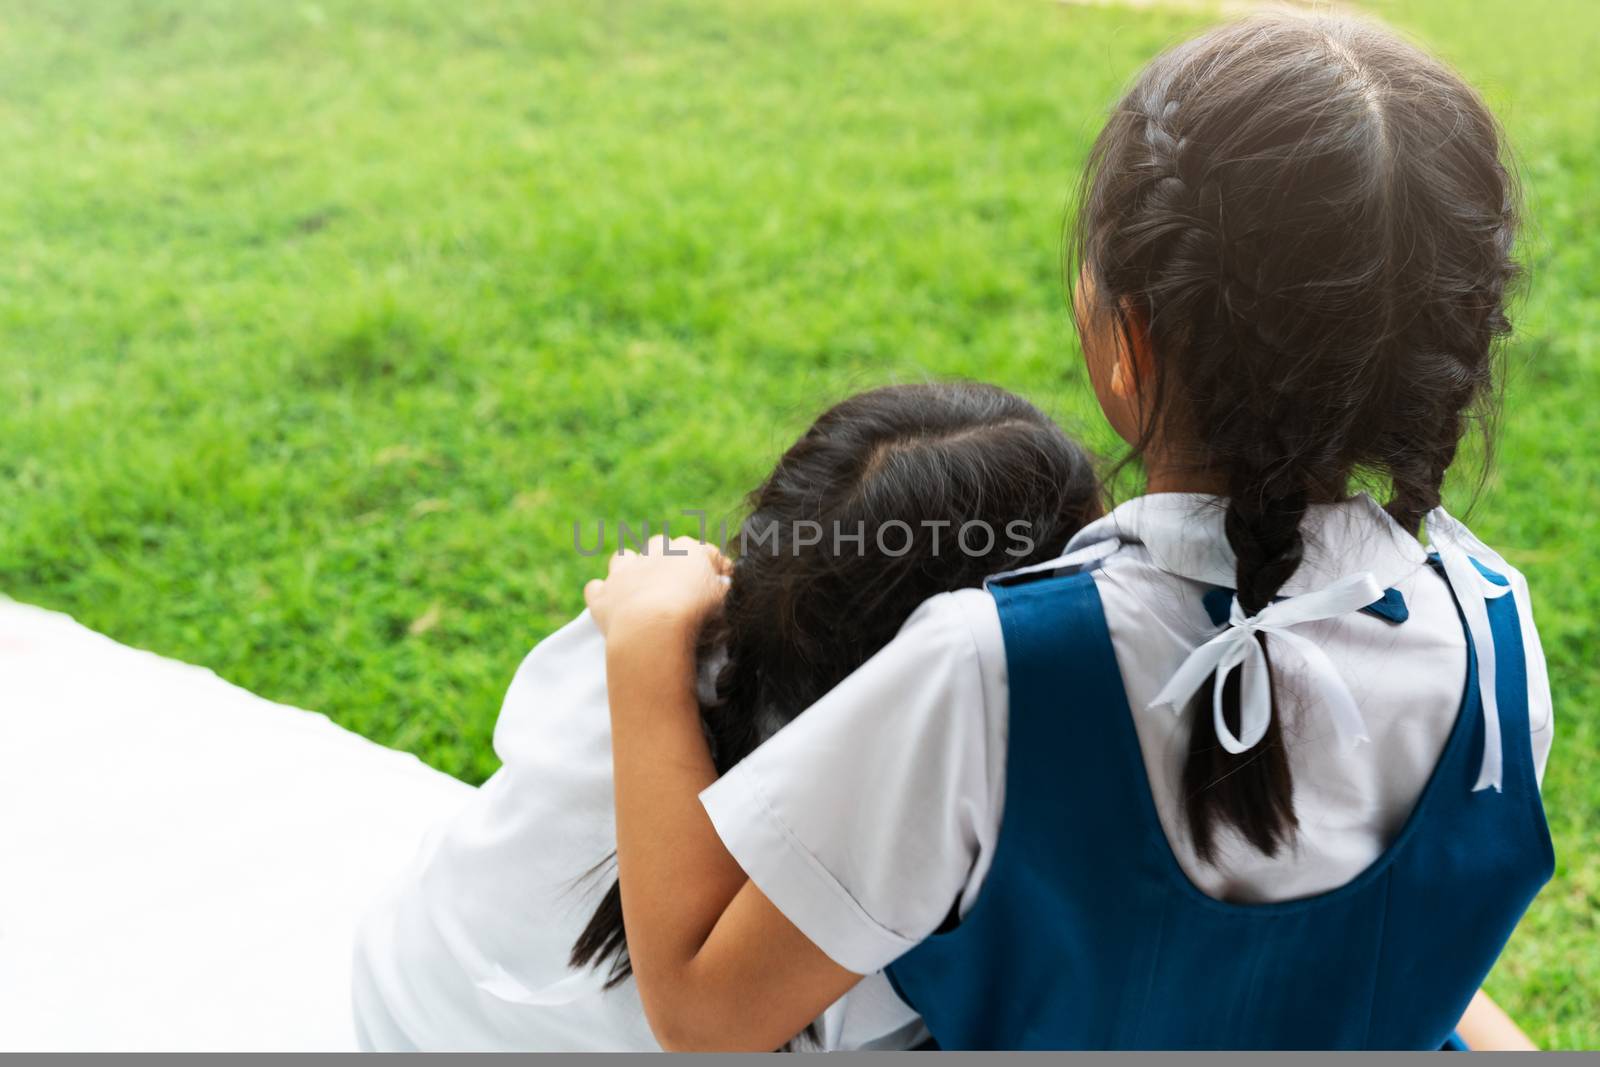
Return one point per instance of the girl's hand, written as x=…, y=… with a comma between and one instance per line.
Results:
x=667, y=586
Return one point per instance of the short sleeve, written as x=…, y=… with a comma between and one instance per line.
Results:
x=867, y=818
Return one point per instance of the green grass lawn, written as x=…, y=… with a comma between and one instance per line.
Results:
x=321, y=323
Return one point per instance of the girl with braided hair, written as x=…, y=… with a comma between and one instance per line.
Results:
x=1256, y=762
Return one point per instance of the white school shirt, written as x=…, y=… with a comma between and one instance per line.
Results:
x=866, y=817
x=468, y=949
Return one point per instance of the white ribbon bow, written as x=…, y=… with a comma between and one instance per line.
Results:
x=1237, y=647
x=1456, y=546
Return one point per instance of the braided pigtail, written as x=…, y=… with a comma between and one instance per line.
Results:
x=1227, y=330
x=1418, y=484
x=1252, y=792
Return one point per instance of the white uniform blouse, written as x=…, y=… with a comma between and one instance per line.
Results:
x=467, y=950
x=865, y=818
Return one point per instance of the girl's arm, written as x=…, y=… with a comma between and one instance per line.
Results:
x=1487, y=1028
x=717, y=965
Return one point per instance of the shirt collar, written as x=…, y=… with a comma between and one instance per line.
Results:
x=1183, y=532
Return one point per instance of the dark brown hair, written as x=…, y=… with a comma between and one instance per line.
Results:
x=799, y=617
x=1313, y=221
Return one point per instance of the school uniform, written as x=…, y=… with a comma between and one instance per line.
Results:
x=467, y=950
x=1416, y=717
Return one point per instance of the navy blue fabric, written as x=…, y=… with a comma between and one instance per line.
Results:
x=1087, y=933
x=1391, y=607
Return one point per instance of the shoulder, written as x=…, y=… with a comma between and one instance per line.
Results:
x=952, y=637
x=964, y=622
x=1116, y=577
x=948, y=619
x=948, y=653
x=578, y=643
x=560, y=686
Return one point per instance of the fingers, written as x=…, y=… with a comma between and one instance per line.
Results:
x=658, y=547
x=672, y=572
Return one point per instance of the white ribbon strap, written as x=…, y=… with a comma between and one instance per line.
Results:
x=1456, y=546
x=1236, y=647
x=1077, y=558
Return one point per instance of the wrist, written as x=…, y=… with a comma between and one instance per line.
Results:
x=660, y=625
x=650, y=671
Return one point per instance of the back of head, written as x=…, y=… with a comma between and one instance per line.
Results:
x=1312, y=221
x=891, y=497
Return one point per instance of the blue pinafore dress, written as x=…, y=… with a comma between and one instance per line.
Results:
x=1088, y=935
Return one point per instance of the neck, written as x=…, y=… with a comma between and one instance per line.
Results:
x=1165, y=475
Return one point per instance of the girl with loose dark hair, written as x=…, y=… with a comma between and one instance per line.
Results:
x=880, y=480
x=1267, y=751
x=508, y=931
